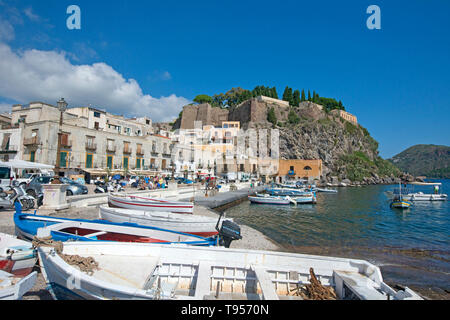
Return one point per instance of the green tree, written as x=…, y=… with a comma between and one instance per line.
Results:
x=303, y=95
x=271, y=117
x=274, y=93
x=296, y=98
x=203, y=98
x=309, y=95
x=218, y=100
x=287, y=95
x=293, y=118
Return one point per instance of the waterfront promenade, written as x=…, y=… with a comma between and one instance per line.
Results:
x=87, y=207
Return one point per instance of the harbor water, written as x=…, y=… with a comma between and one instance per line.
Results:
x=412, y=246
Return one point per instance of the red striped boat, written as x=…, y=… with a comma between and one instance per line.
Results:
x=149, y=204
x=16, y=256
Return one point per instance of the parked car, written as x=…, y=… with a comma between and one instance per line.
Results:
x=185, y=181
x=74, y=188
x=34, y=188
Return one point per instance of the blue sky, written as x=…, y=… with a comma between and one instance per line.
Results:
x=154, y=56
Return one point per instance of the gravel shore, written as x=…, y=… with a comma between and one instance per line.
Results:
x=251, y=239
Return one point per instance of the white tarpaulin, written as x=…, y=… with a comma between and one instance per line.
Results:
x=22, y=164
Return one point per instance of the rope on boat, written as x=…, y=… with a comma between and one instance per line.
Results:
x=47, y=242
x=315, y=290
x=85, y=264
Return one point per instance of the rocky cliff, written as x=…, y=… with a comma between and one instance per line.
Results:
x=348, y=152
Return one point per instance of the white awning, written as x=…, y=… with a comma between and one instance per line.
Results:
x=22, y=164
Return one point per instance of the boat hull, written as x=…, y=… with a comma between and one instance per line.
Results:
x=201, y=226
x=141, y=271
x=150, y=204
x=268, y=200
x=18, y=287
x=62, y=229
x=425, y=197
x=16, y=256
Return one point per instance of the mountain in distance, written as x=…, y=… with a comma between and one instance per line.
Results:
x=428, y=160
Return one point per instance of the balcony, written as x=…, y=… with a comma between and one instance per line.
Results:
x=127, y=150
x=65, y=142
x=154, y=153
x=139, y=152
x=110, y=148
x=166, y=155
x=9, y=149
x=91, y=146
x=30, y=142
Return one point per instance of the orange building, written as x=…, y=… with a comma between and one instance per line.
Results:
x=299, y=169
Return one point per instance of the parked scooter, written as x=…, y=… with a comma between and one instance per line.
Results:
x=16, y=193
x=108, y=187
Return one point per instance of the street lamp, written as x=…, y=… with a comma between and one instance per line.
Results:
x=62, y=106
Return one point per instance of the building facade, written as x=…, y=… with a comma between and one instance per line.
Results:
x=295, y=169
x=92, y=140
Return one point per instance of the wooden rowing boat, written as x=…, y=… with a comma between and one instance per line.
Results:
x=192, y=224
x=151, y=271
x=149, y=204
x=13, y=288
x=16, y=256
x=61, y=229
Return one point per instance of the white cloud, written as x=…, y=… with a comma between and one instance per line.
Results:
x=5, y=108
x=31, y=15
x=6, y=31
x=35, y=75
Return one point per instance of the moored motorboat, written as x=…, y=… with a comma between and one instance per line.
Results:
x=269, y=200
x=16, y=256
x=142, y=271
x=186, y=223
x=13, y=288
x=148, y=204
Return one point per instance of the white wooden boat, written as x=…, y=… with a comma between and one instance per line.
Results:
x=16, y=256
x=147, y=204
x=192, y=224
x=266, y=199
x=145, y=271
x=13, y=288
x=325, y=190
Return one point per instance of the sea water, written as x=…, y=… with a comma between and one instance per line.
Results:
x=412, y=246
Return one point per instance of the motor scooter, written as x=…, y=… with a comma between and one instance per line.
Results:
x=16, y=193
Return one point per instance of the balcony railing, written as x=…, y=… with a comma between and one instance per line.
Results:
x=127, y=150
x=8, y=149
x=66, y=143
x=34, y=141
x=110, y=148
x=140, y=152
x=91, y=146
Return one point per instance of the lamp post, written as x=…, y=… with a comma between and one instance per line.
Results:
x=62, y=105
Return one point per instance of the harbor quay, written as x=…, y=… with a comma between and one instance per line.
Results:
x=87, y=207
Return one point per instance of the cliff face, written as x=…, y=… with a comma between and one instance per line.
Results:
x=347, y=150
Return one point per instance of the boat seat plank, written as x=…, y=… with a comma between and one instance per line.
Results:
x=95, y=234
x=361, y=286
x=202, y=287
x=266, y=284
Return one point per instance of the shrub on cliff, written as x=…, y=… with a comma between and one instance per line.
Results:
x=271, y=117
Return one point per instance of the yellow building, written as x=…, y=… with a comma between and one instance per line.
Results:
x=299, y=169
x=346, y=116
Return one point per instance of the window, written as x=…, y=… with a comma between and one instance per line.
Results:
x=125, y=162
x=96, y=114
x=109, y=161
x=96, y=125
x=291, y=168
x=89, y=160
x=32, y=156
x=63, y=159
x=138, y=163
x=307, y=168
x=5, y=172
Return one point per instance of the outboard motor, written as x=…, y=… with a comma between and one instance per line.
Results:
x=228, y=232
